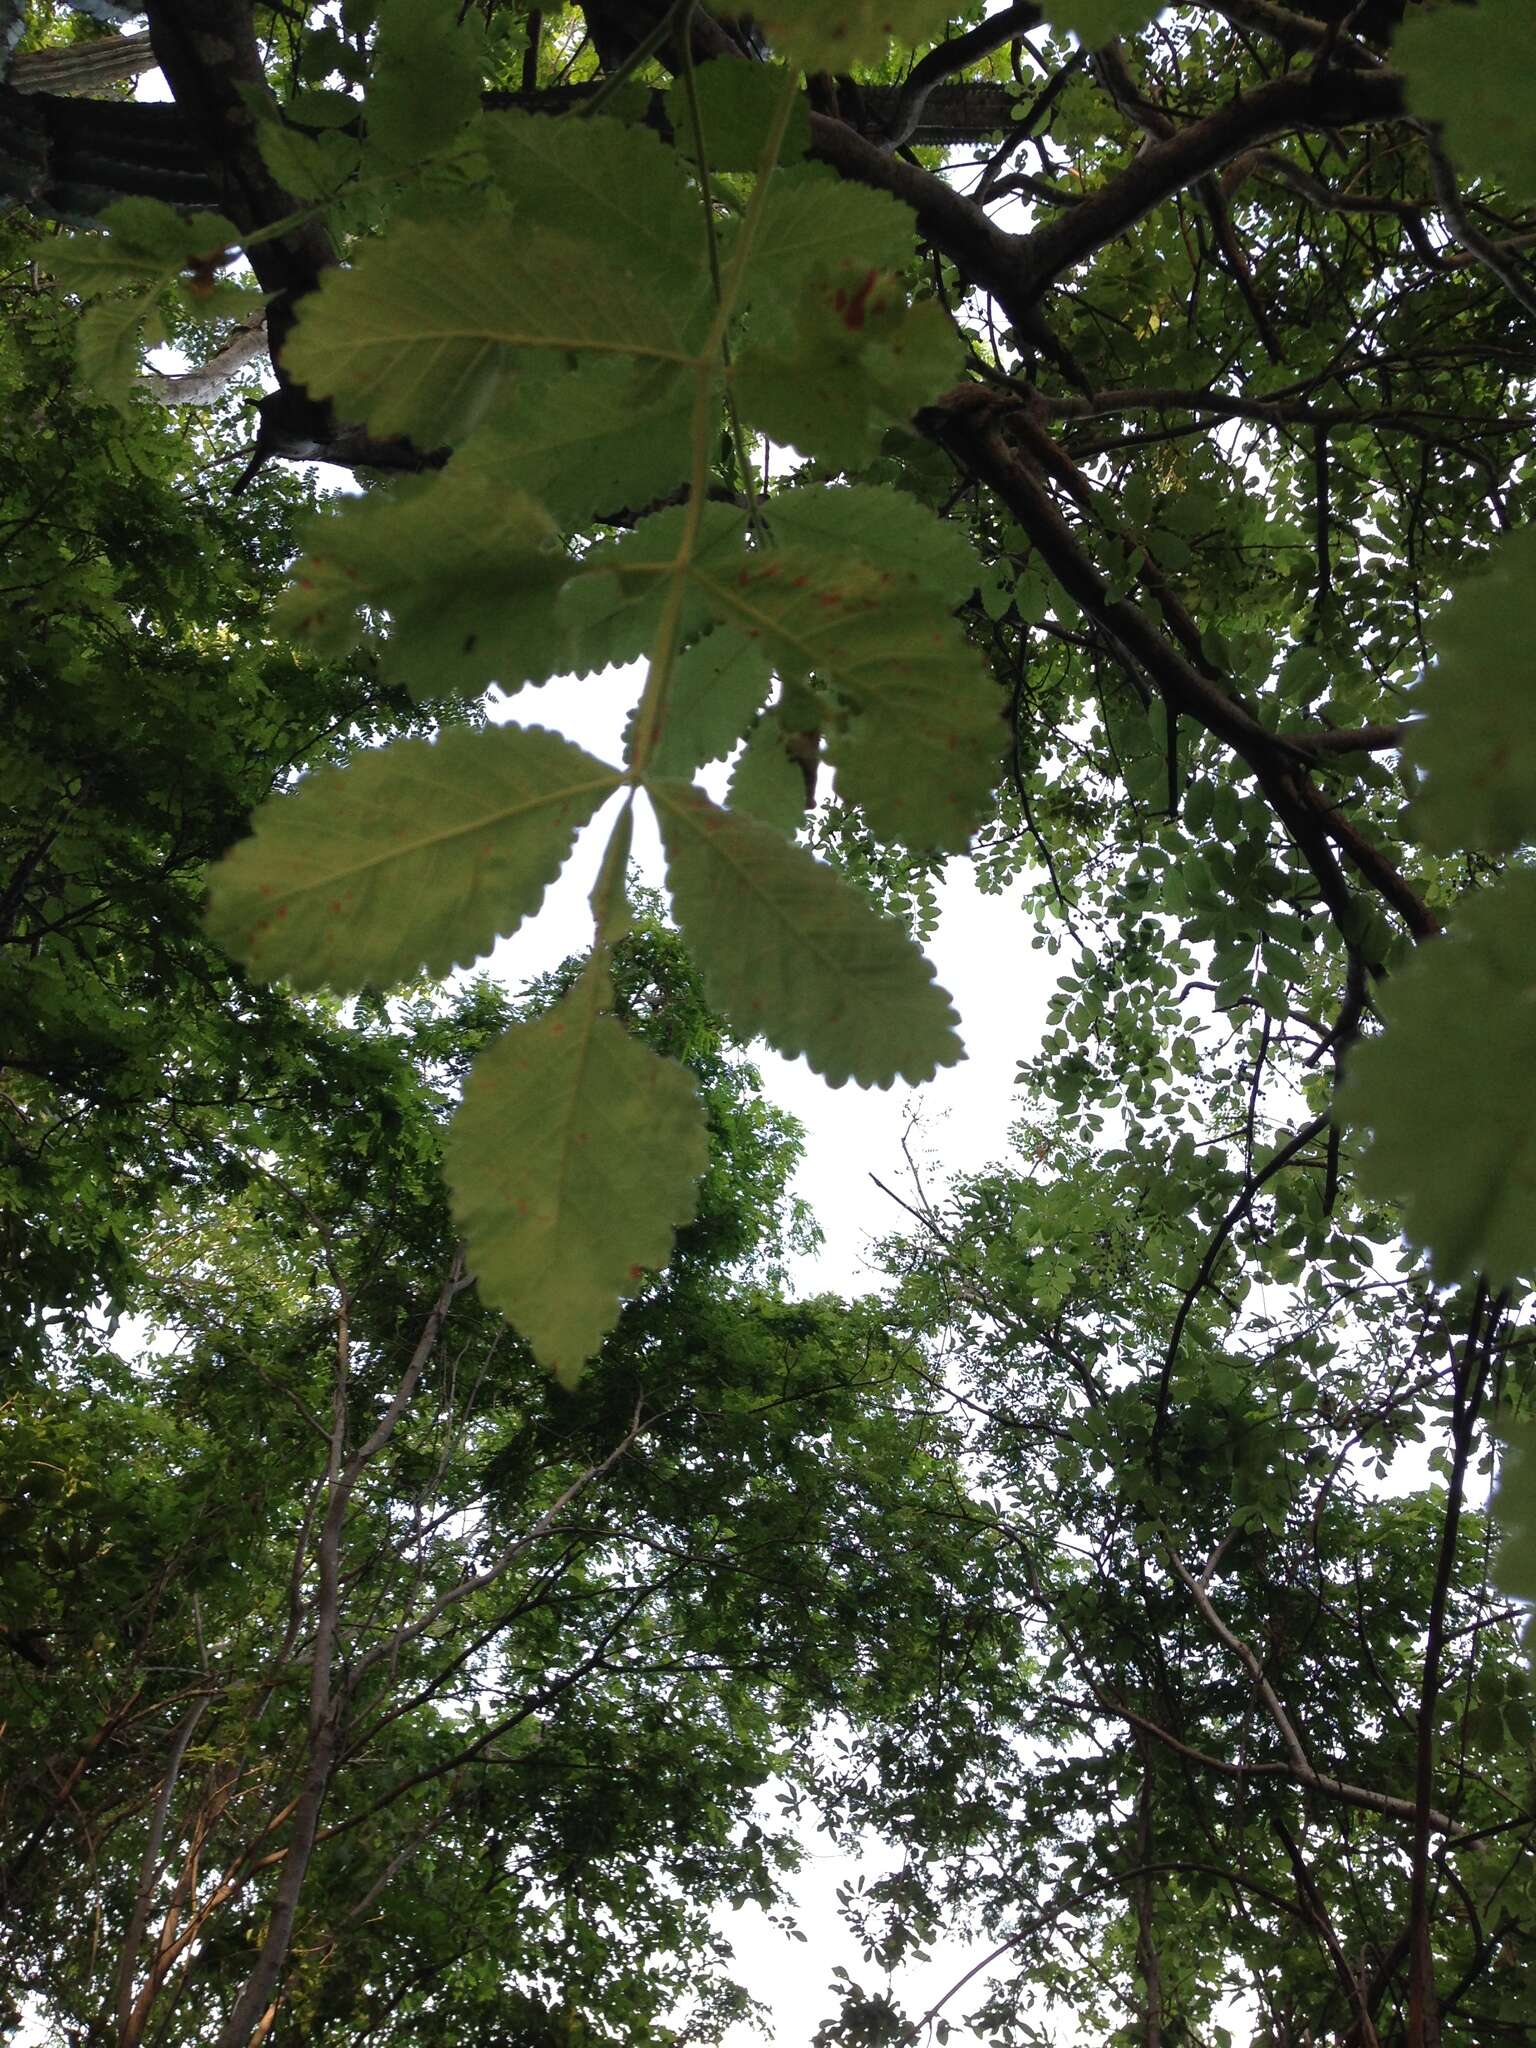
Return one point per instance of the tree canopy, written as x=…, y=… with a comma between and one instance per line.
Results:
x=1086, y=440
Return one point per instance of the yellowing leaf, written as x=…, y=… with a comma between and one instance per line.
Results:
x=1448, y=1091
x=573, y=1159
x=1476, y=742
x=921, y=750
x=413, y=858
x=792, y=953
x=416, y=336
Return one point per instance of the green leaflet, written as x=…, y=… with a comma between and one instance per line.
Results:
x=573, y=1159
x=425, y=78
x=147, y=240
x=831, y=38
x=1476, y=743
x=607, y=439
x=1448, y=1091
x=890, y=528
x=468, y=570
x=1514, y=1510
x=416, y=336
x=614, y=187
x=921, y=752
x=766, y=783
x=737, y=106
x=149, y=243
x=1096, y=22
x=1472, y=71
x=814, y=223
x=313, y=167
x=416, y=857
x=791, y=952
x=716, y=686
x=860, y=360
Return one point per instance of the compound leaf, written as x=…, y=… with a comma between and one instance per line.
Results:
x=573, y=1159
x=1477, y=740
x=1448, y=1091
x=791, y=952
x=416, y=857
x=613, y=604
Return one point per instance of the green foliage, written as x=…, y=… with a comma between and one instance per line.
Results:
x=424, y=81
x=437, y=339
x=412, y=860
x=1467, y=71
x=1476, y=744
x=1446, y=1091
x=1124, y=1570
x=574, y=1158
x=787, y=949
x=1514, y=1508
x=831, y=37
x=737, y=105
